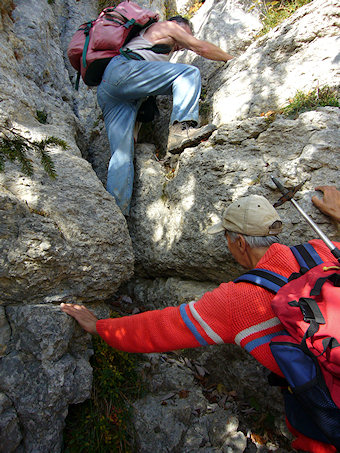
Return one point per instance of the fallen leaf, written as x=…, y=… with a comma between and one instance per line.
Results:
x=183, y=394
x=257, y=439
x=221, y=388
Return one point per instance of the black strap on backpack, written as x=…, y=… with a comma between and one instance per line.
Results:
x=334, y=278
x=306, y=256
x=264, y=278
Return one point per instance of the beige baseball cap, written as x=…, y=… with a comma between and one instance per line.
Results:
x=252, y=215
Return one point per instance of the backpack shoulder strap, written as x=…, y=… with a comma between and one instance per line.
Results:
x=306, y=255
x=264, y=278
x=87, y=29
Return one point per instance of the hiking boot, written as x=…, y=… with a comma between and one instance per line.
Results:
x=183, y=135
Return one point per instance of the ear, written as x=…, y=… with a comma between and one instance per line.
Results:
x=241, y=243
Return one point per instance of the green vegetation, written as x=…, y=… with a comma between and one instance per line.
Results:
x=13, y=147
x=170, y=9
x=103, y=423
x=192, y=7
x=318, y=97
x=275, y=12
x=42, y=116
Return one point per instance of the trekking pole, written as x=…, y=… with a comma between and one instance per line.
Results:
x=288, y=196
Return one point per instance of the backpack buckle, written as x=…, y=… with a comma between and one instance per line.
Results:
x=309, y=309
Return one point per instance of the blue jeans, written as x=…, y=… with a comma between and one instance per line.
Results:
x=124, y=85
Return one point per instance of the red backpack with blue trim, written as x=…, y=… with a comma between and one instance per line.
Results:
x=308, y=305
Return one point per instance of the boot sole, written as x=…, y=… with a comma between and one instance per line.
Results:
x=202, y=134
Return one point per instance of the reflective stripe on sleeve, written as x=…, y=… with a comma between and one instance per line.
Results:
x=256, y=329
x=207, y=329
x=191, y=326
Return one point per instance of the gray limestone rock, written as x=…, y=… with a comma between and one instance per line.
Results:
x=203, y=398
x=10, y=435
x=45, y=369
x=61, y=239
x=66, y=240
x=299, y=54
x=155, y=293
x=172, y=210
x=5, y=332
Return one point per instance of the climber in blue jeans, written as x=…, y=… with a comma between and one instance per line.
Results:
x=143, y=69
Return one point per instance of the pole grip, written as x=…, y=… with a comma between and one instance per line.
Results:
x=335, y=251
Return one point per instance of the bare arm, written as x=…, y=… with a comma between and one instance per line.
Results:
x=170, y=31
x=330, y=204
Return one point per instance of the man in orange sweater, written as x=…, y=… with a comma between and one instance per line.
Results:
x=238, y=313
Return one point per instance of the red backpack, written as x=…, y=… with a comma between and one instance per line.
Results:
x=308, y=354
x=97, y=41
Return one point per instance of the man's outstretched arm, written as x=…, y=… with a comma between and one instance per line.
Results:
x=152, y=331
x=330, y=203
x=186, y=40
x=189, y=325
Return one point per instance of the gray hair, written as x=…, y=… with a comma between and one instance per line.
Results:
x=182, y=20
x=254, y=241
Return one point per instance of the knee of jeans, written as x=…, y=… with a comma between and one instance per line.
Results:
x=195, y=72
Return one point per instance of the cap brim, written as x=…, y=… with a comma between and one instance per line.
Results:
x=217, y=228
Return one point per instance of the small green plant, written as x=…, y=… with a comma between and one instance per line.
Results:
x=317, y=97
x=42, y=116
x=103, y=423
x=13, y=147
x=274, y=12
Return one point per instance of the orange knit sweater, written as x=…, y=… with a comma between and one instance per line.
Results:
x=238, y=313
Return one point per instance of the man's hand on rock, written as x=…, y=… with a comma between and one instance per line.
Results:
x=330, y=204
x=83, y=315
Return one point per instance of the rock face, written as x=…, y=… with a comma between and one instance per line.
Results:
x=64, y=239
x=239, y=159
x=61, y=239
x=299, y=54
x=45, y=369
x=190, y=409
